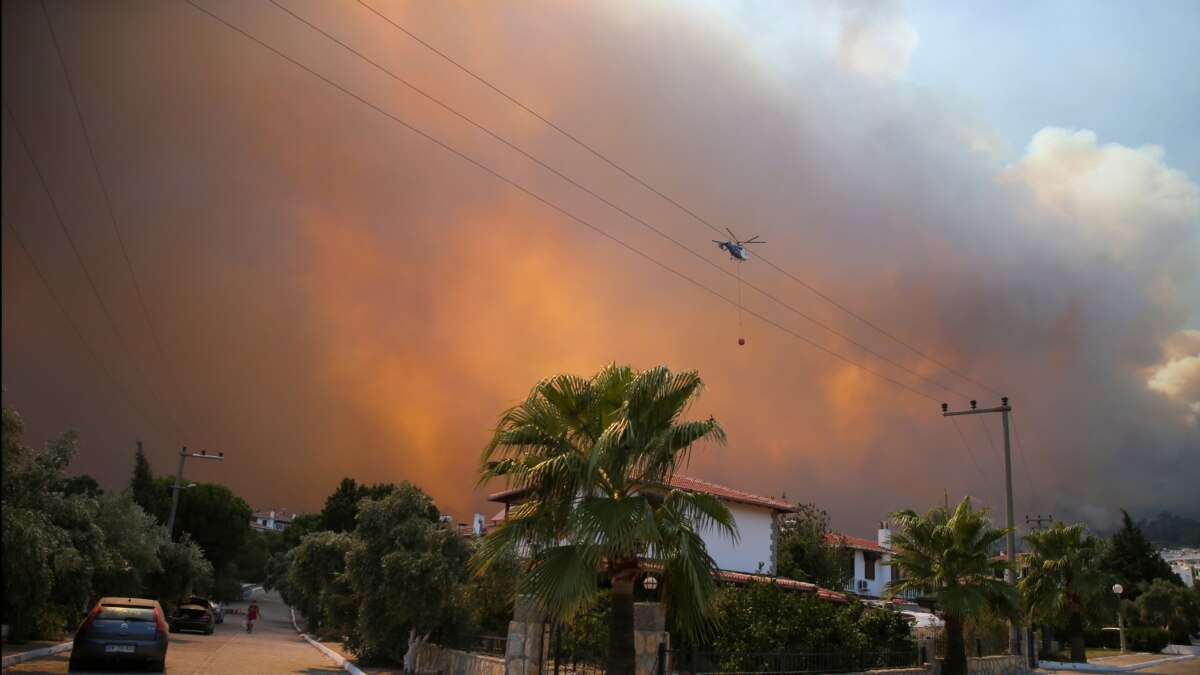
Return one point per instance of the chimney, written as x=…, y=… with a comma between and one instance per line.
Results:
x=477, y=525
x=271, y=520
x=885, y=535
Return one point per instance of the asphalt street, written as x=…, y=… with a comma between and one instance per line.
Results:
x=274, y=647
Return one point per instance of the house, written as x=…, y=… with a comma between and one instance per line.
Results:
x=269, y=521
x=870, y=570
x=757, y=519
x=1184, y=562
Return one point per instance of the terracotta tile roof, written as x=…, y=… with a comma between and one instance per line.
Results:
x=730, y=494
x=691, y=485
x=790, y=584
x=838, y=539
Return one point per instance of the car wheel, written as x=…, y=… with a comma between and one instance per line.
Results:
x=74, y=664
x=158, y=666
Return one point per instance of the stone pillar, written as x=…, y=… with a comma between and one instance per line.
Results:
x=649, y=631
x=523, y=651
x=927, y=644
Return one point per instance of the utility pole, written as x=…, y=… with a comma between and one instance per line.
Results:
x=1010, y=540
x=183, y=455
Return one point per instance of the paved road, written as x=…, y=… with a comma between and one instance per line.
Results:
x=274, y=647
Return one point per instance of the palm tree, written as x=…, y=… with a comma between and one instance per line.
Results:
x=592, y=457
x=947, y=553
x=1066, y=581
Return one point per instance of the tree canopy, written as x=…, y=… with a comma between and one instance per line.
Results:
x=50, y=541
x=1133, y=560
x=341, y=507
x=947, y=553
x=406, y=569
x=593, y=457
x=805, y=553
x=217, y=520
x=1066, y=583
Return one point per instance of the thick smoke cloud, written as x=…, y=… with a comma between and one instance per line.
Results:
x=339, y=295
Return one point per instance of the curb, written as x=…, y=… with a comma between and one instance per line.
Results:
x=14, y=659
x=338, y=659
x=1102, y=668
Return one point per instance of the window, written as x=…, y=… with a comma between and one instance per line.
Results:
x=869, y=566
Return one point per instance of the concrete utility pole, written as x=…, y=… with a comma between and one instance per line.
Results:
x=1010, y=540
x=183, y=455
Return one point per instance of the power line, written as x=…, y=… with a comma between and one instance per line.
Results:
x=1028, y=476
x=979, y=468
x=113, y=220
x=987, y=433
x=104, y=306
x=548, y=203
x=79, y=333
x=606, y=201
x=657, y=192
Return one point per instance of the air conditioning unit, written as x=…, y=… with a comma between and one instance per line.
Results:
x=862, y=586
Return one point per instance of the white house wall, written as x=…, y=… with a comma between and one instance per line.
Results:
x=755, y=524
x=860, y=584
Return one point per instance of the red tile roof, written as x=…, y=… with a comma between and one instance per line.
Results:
x=729, y=494
x=838, y=539
x=784, y=582
x=691, y=485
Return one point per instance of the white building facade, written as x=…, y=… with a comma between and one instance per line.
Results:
x=757, y=519
x=870, y=560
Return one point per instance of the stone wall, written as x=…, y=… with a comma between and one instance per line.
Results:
x=932, y=669
x=998, y=665
x=434, y=659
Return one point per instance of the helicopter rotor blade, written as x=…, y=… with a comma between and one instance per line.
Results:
x=753, y=240
x=731, y=234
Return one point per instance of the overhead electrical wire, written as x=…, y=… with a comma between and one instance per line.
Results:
x=86, y=273
x=982, y=475
x=987, y=433
x=1028, y=476
x=660, y=194
x=612, y=205
x=112, y=218
x=79, y=333
x=547, y=202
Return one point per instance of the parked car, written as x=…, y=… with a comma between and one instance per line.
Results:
x=195, y=613
x=122, y=629
x=218, y=611
x=924, y=622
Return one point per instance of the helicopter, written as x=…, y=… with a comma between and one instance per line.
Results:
x=736, y=246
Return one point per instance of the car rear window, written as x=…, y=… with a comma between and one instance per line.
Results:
x=126, y=614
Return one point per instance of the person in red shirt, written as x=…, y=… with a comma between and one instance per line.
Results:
x=253, y=613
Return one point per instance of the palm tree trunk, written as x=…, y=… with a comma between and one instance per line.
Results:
x=1075, y=630
x=621, y=658
x=956, y=648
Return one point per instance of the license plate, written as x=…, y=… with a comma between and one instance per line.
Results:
x=119, y=649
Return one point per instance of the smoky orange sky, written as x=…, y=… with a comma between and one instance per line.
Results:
x=337, y=293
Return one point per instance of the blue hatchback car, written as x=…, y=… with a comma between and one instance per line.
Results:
x=122, y=630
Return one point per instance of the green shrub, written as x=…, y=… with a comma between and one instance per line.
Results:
x=1095, y=638
x=1144, y=639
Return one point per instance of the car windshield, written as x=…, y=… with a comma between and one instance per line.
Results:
x=125, y=614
